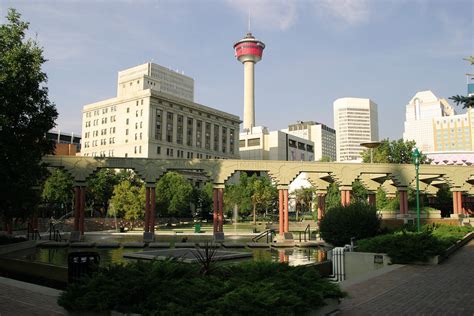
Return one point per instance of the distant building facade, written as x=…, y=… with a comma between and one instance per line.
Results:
x=262, y=144
x=323, y=137
x=66, y=144
x=421, y=111
x=154, y=116
x=355, y=122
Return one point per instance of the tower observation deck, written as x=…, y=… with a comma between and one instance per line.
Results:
x=249, y=51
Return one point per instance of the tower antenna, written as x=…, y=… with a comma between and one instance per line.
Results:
x=249, y=21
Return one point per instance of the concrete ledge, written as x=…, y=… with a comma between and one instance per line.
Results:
x=185, y=245
x=82, y=244
x=159, y=245
x=258, y=245
x=17, y=246
x=134, y=245
x=54, y=244
x=467, y=238
x=30, y=287
x=107, y=244
x=233, y=245
x=313, y=243
x=37, y=270
x=283, y=244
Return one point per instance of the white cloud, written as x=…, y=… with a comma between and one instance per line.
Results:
x=349, y=11
x=268, y=14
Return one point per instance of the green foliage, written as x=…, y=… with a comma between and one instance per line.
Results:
x=325, y=159
x=466, y=102
x=128, y=200
x=173, y=195
x=303, y=199
x=341, y=223
x=203, y=200
x=333, y=196
x=359, y=192
x=263, y=195
x=173, y=288
x=26, y=115
x=404, y=247
x=395, y=151
x=100, y=187
x=408, y=247
x=58, y=189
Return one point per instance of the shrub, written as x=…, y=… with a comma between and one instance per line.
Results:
x=341, y=223
x=405, y=247
x=173, y=288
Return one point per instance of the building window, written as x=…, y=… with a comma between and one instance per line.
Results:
x=159, y=123
x=224, y=139
x=301, y=146
x=169, y=127
x=189, y=132
x=253, y=142
x=291, y=143
x=216, y=137
x=180, y=130
x=128, y=110
x=199, y=133
x=207, y=136
x=158, y=150
x=242, y=143
x=231, y=141
x=126, y=121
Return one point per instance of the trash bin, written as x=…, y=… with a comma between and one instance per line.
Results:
x=197, y=227
x=81, y=263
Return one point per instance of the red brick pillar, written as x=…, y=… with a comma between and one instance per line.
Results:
x=372, y=199
x=403, y=197
x=455, y=202
x=152, y=209
x=214, y=213
x=280, y=212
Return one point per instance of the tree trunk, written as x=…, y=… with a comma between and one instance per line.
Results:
x=255, y=214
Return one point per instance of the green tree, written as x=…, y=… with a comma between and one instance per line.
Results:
x=58, y=190
x=203, y=200
x=395, y=151
x=333, y=196
x=173, y=195
x=100, y=187
x=263, y=194
x=26, y=114
x=239, y=195
x=303, y=200
x=128, y=201
x=359, y=192
x=325, y=159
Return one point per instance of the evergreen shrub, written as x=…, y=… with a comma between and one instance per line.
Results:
x=341, y=223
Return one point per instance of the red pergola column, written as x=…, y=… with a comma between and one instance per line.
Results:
x=280, y=212
x=215, y=210
x=152, y=209
x=372, y=199
x=345, y=195
x=221, y=210
x=402, y=194
x=285, y=210
x=321, y=206
x=455, y=202
x=146, y=226
x=77, y=206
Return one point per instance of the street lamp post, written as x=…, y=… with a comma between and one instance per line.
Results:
x=416, y=161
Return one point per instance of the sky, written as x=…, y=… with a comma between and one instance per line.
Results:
x=316, y=51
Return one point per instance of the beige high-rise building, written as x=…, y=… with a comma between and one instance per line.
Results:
x=323, y=137
x=421, y=111
x=355, y=122
x=154, y=116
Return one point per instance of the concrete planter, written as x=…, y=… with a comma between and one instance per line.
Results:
x=17, y=246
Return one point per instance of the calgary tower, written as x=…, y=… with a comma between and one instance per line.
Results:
x=249, y=51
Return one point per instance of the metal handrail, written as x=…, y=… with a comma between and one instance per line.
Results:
x=267, y=233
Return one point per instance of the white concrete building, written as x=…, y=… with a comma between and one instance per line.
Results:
x=261, y=144
x=355, y=122
x=421, y=111
x=154, y=116
x=323, y=137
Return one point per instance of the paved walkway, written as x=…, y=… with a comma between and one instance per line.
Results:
x=445, y=289
x=20, y=298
